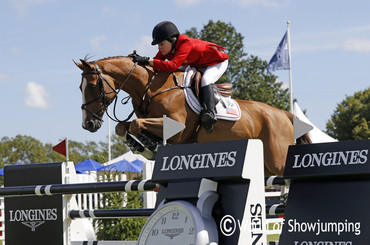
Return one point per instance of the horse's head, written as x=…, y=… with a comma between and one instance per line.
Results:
x=98, y=91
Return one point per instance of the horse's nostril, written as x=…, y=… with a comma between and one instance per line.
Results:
x=90, y=124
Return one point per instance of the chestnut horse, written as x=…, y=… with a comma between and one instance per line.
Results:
x=155, y=94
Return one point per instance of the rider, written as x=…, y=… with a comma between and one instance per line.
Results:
x=177, y=50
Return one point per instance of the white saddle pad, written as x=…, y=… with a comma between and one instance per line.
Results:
x=227, y=108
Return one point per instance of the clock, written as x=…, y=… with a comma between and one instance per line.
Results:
x=182, y=223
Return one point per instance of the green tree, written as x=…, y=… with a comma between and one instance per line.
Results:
x=248, y=74
x=351, y=119
x=22, y=150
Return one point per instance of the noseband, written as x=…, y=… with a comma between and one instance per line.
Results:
x=102, y=95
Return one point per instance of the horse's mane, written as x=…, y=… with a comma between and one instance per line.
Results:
x=115, y=57
x=88, y=57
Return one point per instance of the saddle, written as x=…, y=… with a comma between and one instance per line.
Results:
x=220, y=90
x=226, y=107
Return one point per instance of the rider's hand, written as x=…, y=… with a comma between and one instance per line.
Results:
x=133, y=54
x=141, y=60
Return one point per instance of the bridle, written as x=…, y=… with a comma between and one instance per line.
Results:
x=102, y=95
x=106, y=103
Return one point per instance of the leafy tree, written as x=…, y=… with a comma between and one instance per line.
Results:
x=255, y=84
x=22, y=150
x=248, y=74
x=351, y=119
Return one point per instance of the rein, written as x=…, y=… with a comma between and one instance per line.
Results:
x=177, y=86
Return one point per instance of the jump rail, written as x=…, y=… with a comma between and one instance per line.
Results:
x=276, y=181
x=275, y=209
x=98, y=187
x=111, y=213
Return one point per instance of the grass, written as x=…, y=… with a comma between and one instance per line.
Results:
x=273, y=237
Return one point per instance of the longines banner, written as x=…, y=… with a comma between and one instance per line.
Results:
x=33, y=218
x=328, y=159
x=331, y=208
x=202, y=160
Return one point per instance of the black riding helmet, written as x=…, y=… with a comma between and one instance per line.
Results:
x=164, y=30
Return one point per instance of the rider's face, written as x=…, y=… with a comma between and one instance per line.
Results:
x=164, y=47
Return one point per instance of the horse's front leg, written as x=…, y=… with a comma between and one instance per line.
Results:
x=122, y=129
x=148, y=131
x=153, y=126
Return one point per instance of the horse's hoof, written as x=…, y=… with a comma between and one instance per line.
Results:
x=133, y=144
x=147, y=141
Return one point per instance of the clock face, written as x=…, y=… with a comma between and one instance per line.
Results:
x=172, y=224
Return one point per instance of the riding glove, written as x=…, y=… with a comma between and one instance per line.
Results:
x=141, y=60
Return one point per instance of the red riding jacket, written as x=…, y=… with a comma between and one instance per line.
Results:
x=190, y=51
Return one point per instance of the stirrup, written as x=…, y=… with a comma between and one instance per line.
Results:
x=208, y=120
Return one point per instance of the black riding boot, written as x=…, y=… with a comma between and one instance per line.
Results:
x=209, y=110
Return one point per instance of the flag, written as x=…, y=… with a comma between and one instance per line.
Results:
x=280, y=60
x=170, y=128
x=61, y=148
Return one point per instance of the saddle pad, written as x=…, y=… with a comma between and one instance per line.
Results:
x=227, y=108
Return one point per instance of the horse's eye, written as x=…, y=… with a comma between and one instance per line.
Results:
x=92, y=85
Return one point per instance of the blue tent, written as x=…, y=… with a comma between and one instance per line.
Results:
x=122, y=166
x=139, y=163
x=87, y=165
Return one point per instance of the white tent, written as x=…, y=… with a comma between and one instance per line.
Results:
x=128, y=156
x=316, y=135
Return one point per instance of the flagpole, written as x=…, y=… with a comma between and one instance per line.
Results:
x=290, y=71
x=109, y=139
x=67, y=155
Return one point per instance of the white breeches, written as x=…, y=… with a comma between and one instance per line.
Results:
x=213, y=73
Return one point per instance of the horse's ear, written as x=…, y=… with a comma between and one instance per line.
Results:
x=79, y=65
x=86, y=64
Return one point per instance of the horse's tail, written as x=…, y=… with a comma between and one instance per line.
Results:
x=304, y=139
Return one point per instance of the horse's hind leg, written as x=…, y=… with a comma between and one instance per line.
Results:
x=276, y=141
x=274, y=158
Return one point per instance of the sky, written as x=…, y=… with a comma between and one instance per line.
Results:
x=39, y=83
